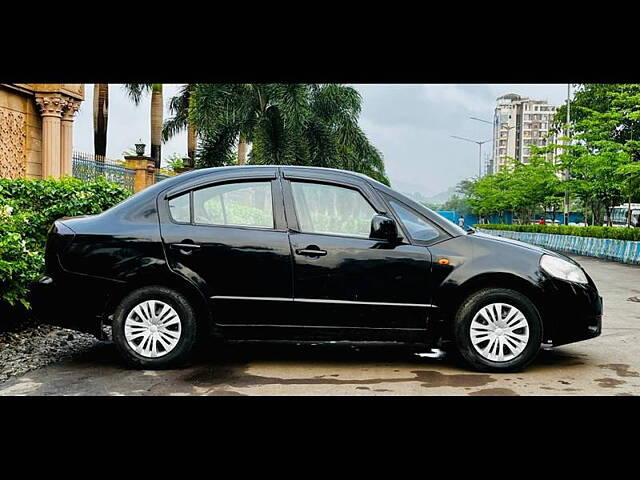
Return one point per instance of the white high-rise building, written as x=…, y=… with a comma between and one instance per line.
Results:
x=518, y=123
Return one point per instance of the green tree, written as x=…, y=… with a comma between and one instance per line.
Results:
x=489, y=195
x=135, y=92
x=601, y=155
x=284, y=124
x=458, y=204
x=523, y=188
x=179, y=106
x=604, y=123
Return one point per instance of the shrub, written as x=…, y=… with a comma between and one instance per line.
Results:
x=616, y=233
x=20, y=259
x=27, y=210
x=175, y=162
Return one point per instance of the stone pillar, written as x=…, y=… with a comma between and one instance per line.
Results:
x=66, y=137
x=51, y=107
x=151, y=172
x=145, y=169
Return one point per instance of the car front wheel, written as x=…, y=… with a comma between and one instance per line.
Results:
x=498, y=330
x=154, y=327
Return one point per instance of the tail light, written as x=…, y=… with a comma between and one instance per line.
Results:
x=59, y=238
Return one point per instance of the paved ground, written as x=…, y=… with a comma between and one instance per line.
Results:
x=607, y=365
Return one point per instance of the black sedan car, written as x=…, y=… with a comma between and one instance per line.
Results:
x=306, y=255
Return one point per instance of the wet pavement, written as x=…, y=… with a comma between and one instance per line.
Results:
x=607, y=365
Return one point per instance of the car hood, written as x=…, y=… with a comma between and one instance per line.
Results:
x=484, y=237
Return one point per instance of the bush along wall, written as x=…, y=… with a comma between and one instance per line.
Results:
x=624, y=248
x=27, y=210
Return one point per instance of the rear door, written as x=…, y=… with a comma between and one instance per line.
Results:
x=229, y=237
x=342, y=278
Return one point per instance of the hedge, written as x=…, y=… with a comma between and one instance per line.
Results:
x=27, y=210
x=616, y=233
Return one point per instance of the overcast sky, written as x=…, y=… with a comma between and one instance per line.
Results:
x=410, y=124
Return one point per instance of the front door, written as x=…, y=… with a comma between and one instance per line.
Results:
x=225, y=237
x=342, y=278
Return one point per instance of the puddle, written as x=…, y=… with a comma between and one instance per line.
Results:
x=210, y=376
x=621, y=369
x=609, y=382
x=489, y=392
x=431, y=378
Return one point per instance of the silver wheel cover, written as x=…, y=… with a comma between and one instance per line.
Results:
x=499, y=332
x=152, y=329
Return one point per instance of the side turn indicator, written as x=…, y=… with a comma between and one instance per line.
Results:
x=443, y=261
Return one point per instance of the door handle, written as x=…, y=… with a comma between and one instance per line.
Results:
x=310, y=252
x=185, y=248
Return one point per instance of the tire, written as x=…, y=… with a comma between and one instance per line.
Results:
x=155, y=340
x=495, y=345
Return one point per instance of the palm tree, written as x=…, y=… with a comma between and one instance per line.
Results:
x=135, y=91
x=297, y=124
x=225, y=112
x=242, y=150
x=179, y=107
x=100, y=119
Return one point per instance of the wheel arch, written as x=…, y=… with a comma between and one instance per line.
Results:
x=450, y=302
x=168, y=280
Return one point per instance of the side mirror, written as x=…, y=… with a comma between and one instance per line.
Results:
x=384, y=228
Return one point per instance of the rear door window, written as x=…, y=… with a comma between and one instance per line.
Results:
x=245, y=204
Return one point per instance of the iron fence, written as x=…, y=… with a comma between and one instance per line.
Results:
x=89, y=167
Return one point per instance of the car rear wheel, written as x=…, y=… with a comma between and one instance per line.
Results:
x=498, y=330
x=154, y=327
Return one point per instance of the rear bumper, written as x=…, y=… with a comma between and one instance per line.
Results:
x=56, y=304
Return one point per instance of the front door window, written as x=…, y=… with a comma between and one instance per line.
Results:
x=417, y=226
x=332, y=210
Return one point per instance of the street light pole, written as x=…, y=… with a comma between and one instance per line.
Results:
x=479, y=143
x=566, y=171
x=481, y=120
x=494, y=133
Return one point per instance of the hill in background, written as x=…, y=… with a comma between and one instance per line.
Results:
x=437, y=199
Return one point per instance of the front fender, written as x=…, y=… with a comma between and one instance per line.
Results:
x=474, y=265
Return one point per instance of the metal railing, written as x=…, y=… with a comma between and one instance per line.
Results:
x=88, y=167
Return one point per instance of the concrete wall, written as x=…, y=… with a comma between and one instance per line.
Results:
x=20, y=135
x=36, y=127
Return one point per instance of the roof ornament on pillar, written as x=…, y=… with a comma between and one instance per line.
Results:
x=51, y=105
x=70, y=108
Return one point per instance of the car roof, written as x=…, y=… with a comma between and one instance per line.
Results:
x=284, y=167
x=337, y=174
x=188, y=178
